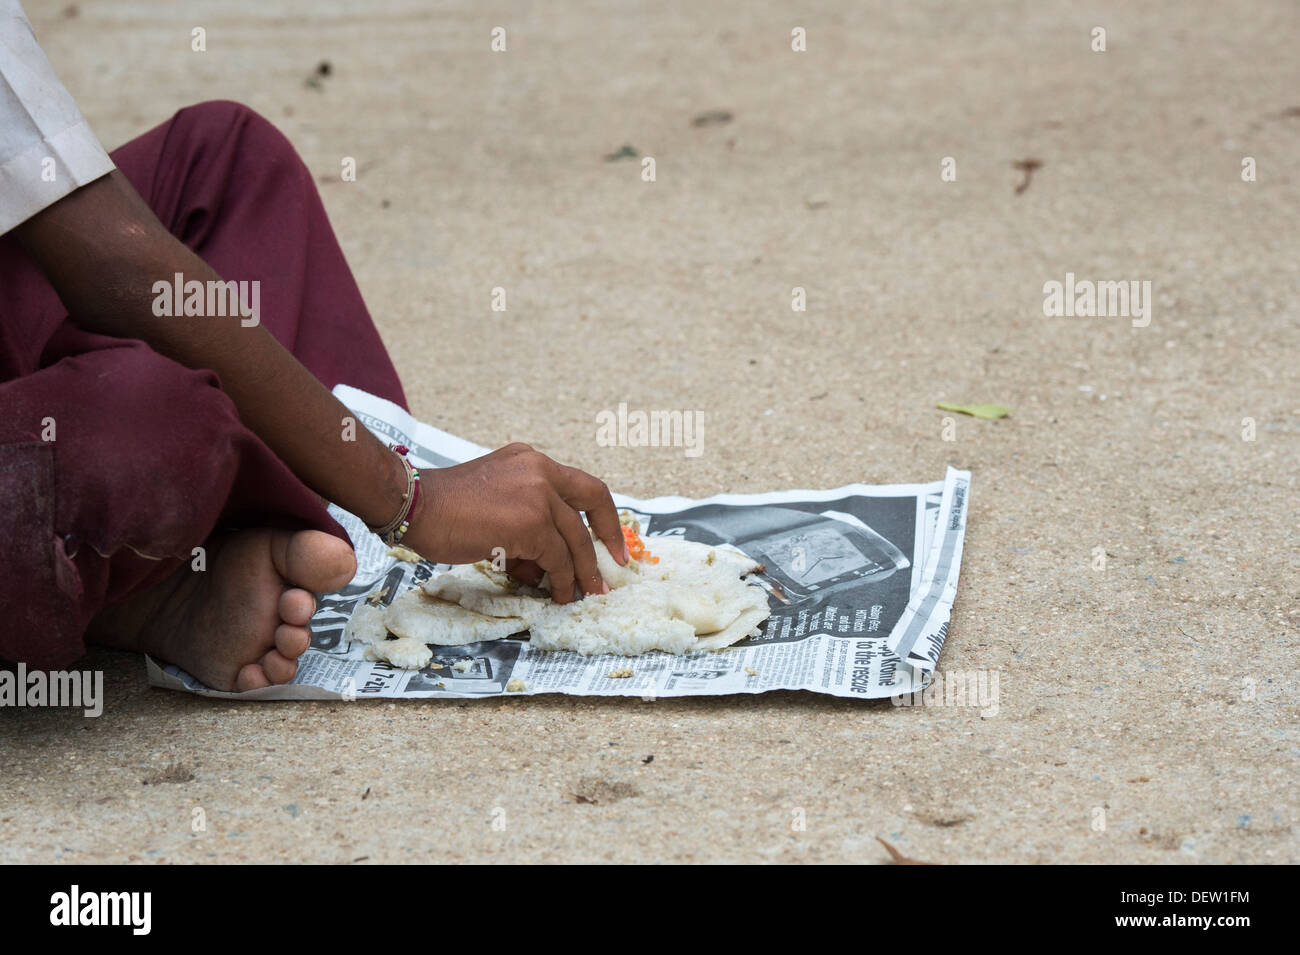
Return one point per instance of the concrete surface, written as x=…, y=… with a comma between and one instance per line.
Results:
x=1127, y=689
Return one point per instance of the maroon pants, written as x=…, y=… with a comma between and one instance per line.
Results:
x=148, y=457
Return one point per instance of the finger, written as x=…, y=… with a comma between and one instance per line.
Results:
x=581, y=549
x=525, y=571
x=556, y=561
x=588, y=493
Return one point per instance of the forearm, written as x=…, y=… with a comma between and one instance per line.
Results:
x=103, y=251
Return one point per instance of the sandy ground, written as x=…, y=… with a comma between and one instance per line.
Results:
x=1160, y=690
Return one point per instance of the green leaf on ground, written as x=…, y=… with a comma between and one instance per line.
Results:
x=979, y=411
x=627, y=152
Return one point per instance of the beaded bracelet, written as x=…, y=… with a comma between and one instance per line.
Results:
x=393, y=532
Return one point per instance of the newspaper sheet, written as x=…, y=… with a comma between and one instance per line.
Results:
x=861, y=581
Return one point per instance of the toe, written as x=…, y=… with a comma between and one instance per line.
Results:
x=313, y=560
x=292, y=642
x=251, y=677
x=297, y=606
x=278, y=667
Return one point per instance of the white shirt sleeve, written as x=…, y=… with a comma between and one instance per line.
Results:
x=47, y=148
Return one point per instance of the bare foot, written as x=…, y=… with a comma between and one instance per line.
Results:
x=242, y=623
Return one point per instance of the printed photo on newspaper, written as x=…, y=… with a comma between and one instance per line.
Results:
x=860, y=583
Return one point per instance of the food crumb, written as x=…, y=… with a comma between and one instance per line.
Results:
x=376, y=597
x=751, y=671
x=405, y=653
x=463, y=666
x=516, y=685
x=622, y=674
x=405, y=554
x=712, y=558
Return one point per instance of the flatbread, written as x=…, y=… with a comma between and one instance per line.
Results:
x=479, y=588
x=680, y=558
x=692, y=598
x=366, y=625
x=628, y=621
x=443, y=623
x=745, y=625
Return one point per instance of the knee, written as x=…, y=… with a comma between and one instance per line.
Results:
x=171, y=425
x=150, y=450
x=228, y=122
x=222, y=115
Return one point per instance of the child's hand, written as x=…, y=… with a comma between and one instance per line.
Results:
x=521, y=501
